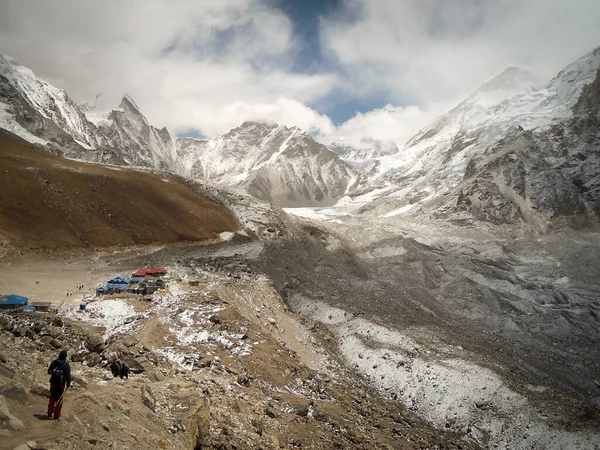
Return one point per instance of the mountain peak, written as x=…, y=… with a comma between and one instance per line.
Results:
x=127, y=99
x=510, y=79
x=11, y=68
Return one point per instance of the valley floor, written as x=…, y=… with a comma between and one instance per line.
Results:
x=492, y=341
x=219, y=362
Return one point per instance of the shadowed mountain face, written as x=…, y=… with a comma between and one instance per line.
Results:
x=48, y=202
x=548, y=177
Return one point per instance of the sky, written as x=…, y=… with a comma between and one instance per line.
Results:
x=342, y=70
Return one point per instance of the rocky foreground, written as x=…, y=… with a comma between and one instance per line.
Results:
x=217, y=361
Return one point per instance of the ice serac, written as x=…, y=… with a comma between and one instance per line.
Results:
x=527, y=159
x=272, y=162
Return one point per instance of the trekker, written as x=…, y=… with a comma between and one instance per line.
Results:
x=60, y=377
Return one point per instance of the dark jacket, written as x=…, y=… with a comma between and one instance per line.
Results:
x=66, y=370
x=119, y=369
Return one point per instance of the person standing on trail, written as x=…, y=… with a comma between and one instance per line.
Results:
x=60, y=378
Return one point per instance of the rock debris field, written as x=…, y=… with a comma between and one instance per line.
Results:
x=218, y=361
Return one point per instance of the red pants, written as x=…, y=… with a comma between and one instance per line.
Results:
x=56, y=400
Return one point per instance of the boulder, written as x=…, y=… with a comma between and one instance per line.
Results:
x=13, y=389
x=30, y=334
x=7, y=419
x=95, y=343
x=53, y=331
x=79, y=380
x=79, y=356
x=138, y=365
x=6, y=323
x=40, y=389
x=30, y=445
x=45, y=341
x=148, y=398
x=92, y=359
x=198, y=425
x=320, y=415
x=127, y=340
x=19, y=331
x=6, y=371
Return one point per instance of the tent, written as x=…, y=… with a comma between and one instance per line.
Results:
x=116, y=284
x=13, y=301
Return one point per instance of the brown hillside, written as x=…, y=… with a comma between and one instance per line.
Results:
x=50, y=202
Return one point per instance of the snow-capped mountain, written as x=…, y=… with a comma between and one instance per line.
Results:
x=131, y=139
x=272, y=162
x=43, y=114
x=370, y=150
x=39, y=112
x=453, y=168
x=516, y=160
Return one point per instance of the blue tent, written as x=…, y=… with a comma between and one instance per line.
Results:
x=13, y=301
x=116, y=284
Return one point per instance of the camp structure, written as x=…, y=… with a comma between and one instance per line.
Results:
x=117, y=284
x=12, y=301
x=147, y=286
x=149, y=273
x=41, y=306
x=151, y=285
x=133, y=285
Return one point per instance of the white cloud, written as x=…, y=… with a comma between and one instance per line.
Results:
x=188, y=64
x=284, y=111
x=390, y=123
x=422, y=51
x=210, y=65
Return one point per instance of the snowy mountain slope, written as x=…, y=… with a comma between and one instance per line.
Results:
x=443, y=151
x=373, y=149
x=543, y=177
x=33, y=107
x=272, y=162
x=43, y=114
x=229, y=158
x=456, y=128
x=305, y=173
x=129, y=135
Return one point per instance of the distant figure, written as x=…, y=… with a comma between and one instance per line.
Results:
x=120, y=369
x=60, y=378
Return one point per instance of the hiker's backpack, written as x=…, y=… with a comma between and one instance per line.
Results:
x=57, y=375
